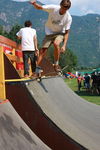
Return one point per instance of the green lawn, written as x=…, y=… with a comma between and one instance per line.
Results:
x=94, y=98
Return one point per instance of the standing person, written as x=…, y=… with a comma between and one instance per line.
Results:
x=94, y=82
x=79, y=81
x=87, y=81
x=57, y=29
x=29, y=47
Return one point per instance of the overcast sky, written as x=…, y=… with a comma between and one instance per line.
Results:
x=79, y=7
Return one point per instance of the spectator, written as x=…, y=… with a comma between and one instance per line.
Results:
x=94, y=82
x=98, y=83
x=29, y=47
x=87, y=81
x=79, y=81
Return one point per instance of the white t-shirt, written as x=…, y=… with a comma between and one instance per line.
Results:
x=27, y=35
x=56, y=23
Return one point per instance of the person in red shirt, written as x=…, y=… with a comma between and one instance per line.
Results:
x=79, y=81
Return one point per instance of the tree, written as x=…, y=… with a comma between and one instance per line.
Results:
x=13, y=31
x=1, y=30
x=68, y=60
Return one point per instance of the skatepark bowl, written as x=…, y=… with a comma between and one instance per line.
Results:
x=46, y=115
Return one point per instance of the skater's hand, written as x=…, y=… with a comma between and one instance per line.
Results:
x=62, y=50
x=32, y=2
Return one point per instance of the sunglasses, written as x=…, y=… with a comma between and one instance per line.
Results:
x=66, y=7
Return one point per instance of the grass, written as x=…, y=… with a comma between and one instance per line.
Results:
x=94, y=98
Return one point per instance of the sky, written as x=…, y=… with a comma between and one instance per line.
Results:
x=79, y=7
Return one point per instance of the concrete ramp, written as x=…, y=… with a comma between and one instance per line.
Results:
x=60, y=118
x=77, y=118
x=14, y=133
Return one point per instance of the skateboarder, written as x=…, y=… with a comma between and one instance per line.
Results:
x=57, y=29
x=29, y=47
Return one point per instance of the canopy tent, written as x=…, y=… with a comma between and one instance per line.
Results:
x=96, y=70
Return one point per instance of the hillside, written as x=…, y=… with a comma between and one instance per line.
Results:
x=84, y=35
x=84, y=39
x=16, y=13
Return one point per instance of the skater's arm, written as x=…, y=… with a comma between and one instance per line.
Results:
x=36, y=5
x=63, y=48
x=66, y=38
x=47, y=8
x=67, y=30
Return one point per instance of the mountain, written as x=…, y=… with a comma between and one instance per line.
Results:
x=12, y=13
x=84, y=39
x=84, y=35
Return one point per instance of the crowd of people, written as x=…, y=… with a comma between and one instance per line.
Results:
x=90, y=82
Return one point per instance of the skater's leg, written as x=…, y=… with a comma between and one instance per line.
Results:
x=41, y=55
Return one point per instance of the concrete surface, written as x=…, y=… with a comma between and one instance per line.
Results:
x=14, y=133
x=63, y=120
x=76, y=117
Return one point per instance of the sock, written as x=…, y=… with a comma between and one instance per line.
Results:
x=56, y=63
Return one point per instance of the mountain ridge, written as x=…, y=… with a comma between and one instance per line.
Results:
x=84, y=34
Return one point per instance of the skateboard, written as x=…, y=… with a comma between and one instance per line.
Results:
x=38, y=74
x=38, y=77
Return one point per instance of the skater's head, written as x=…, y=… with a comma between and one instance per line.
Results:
x=28, y=23
x=65, y=4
